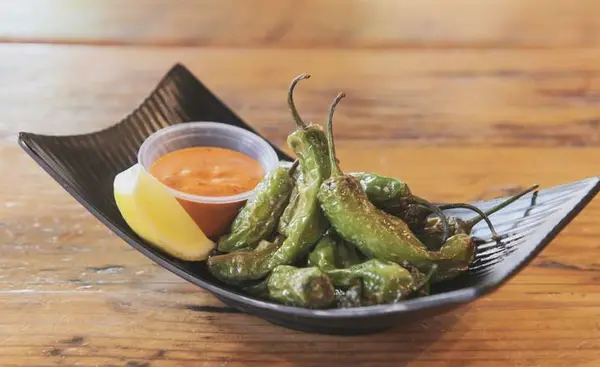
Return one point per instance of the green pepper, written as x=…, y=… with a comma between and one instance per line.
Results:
x=323, y=255
x=416, y=212
x=308, y=223
x=394, y=197
x=302, y=287
x=356, y=219
x=454, y=257
x=332, y=252
x=258, y=218
x=431, y=233
x=350, y=297
x=290, y=209
x=386, y=193
x=346, y=254
x=238, y=267
x=382, y=281
x=374, y=232
x=306, y=287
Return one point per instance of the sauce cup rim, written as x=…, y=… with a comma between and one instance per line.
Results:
x=271, y=156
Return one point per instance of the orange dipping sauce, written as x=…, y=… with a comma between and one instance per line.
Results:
x=209, y=171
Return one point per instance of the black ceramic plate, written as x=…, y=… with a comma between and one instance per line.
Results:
x=85, y=166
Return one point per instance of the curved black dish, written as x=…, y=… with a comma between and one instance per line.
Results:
x=85, y=166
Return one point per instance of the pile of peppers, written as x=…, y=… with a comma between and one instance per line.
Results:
x=316, y=237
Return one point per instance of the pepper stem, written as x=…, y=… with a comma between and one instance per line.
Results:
x=300, y=124
x=335, y=168
x=473, y=221
x=485, y=215
x=470, y=224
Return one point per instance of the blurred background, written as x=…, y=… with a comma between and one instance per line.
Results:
x=470, y=74
x=434, y=71
x=418, y=73
x=306, y=23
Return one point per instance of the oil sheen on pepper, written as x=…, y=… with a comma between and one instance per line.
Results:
x=212, y=172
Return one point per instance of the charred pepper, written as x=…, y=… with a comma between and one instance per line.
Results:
x=302, y=287
x=376, y=233
x=290, y=209
x=394, y=197
x=238, y=267
x=308, y=223
x=332, y=252
x=382, y=281
x=324, y=254
x=258, y=218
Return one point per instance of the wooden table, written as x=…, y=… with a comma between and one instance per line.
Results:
x=463, y=99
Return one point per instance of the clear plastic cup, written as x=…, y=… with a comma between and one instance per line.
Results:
x=213, y=214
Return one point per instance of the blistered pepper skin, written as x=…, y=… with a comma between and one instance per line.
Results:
x=290, y=209
x=374, y=232
x=301, y=287
x=308, y=223
x=382, y=281
x=258, y=218
x=433, y=230
x=332, y=252
x=386, y=193
x=351, y=296
x=346, y=254
x=288, y=213
x=323, y=256
x=238, y=267
x=385, y=237
x=454, y=258
x=394, y=197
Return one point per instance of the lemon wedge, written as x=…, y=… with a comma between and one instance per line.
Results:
x=156, y=216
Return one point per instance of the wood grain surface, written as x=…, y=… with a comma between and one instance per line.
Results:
x=305, y=23
x=465, y=100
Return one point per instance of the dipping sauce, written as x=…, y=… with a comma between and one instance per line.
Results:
x=208, y=171
x=212, y=172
